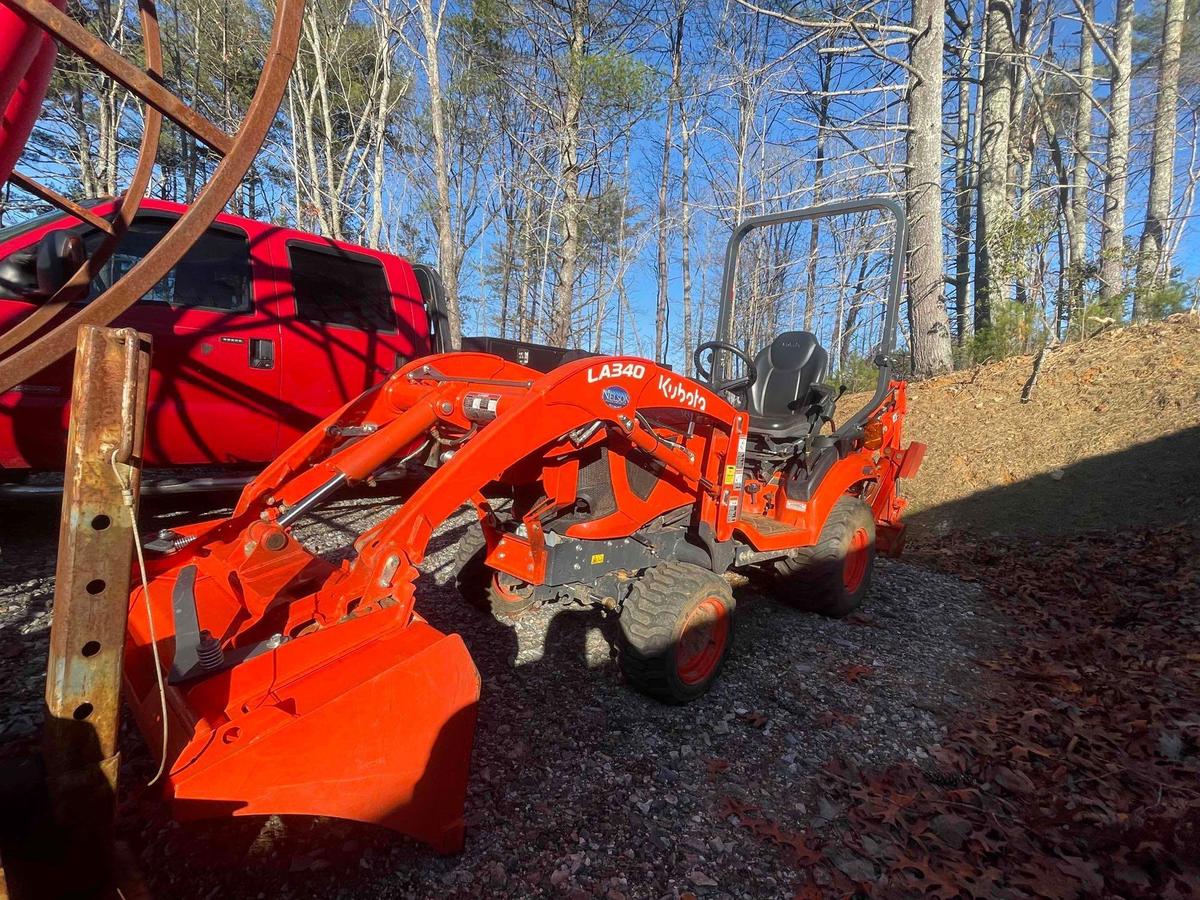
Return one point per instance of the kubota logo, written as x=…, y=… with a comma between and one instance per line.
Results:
x=680, y=393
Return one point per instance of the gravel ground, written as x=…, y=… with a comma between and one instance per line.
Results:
x=580, y=787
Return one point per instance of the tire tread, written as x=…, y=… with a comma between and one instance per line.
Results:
x=649, y=619
x=811, y=578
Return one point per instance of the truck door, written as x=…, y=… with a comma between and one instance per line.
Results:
x=345, y=334
x=214, y=384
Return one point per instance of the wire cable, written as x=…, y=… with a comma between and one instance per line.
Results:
x=127, y=497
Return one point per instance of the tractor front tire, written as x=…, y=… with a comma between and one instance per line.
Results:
x=676, y=631
x=833, y=576
x=482, y=586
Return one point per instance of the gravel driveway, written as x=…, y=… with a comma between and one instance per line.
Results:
x=580, y=787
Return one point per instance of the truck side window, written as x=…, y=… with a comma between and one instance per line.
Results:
x=214, y=274
x=338, y=288
x=18, y=270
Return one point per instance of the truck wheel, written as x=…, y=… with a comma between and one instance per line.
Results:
x=482, y=586
x=676, y=630
x=833, y=576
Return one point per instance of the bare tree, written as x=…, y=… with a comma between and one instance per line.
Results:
x=1080, y=179
x=962, y=177
x=994, y=213
x=340, y=98
x=427, y=48
x=926, y=310
x=1151, y=256
x=1112, y=225
x=570, y=170
x=673, y=99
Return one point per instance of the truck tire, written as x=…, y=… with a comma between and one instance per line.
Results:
x=833, y=576
x=676, y=631
x=482, y=586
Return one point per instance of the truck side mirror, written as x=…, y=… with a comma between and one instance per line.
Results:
x=59, y=256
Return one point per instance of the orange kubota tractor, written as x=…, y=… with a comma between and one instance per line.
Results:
x=299, y=685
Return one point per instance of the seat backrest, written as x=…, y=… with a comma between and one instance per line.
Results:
x=788, y=367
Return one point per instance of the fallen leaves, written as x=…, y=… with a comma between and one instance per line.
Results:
x=802, y=848
x=832, y=717
x=717, y=765
x=952, y=830
x=857, y=671
x=1013, y=781
x=1075, y=777
x=754, y=719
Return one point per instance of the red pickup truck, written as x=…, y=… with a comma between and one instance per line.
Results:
x=259, y=332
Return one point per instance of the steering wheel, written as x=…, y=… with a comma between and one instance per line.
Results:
x=739, y=384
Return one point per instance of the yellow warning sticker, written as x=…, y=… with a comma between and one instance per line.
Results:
x=730, y=474
x=597, y=558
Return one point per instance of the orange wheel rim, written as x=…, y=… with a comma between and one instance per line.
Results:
x=857, y=557
x=702, y=641
x=505, y=593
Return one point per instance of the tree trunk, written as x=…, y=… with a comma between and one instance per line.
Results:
x=1022, y=144
x=327, y=133
x=1080, y=175
x=685, y=237
x=378, y=148
x=1112, y=230
x=1024, y=199
x=448, y=255
x=814, y=234
x=89, y=182
x=846, y=337
x=736, y=315
x=564, y=303
x=660, y=317
x=962, y=183
x=524, y=329
x=1019, y=138
x=994, y=213
x=926, y=311
x=294, y=157
x=1152, y=266
x=507, y=251
x=623, y=248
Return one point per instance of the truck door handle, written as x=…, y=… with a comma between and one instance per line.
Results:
x=262, y=353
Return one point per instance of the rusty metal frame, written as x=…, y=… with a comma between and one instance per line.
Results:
x=53, y=197
x=239, y=152
x=122, y=216
x=91, y=593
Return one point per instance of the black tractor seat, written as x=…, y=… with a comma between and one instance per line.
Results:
x=788, y=400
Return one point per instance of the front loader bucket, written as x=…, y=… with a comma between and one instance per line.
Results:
x=371, y=718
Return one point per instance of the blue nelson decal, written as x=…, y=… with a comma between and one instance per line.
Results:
x=615, y=397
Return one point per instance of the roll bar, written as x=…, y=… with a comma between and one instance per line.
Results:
x=895, y=281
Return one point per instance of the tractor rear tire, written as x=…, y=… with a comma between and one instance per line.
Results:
x=676, y=631
x=482, y=586
x=833, y=576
